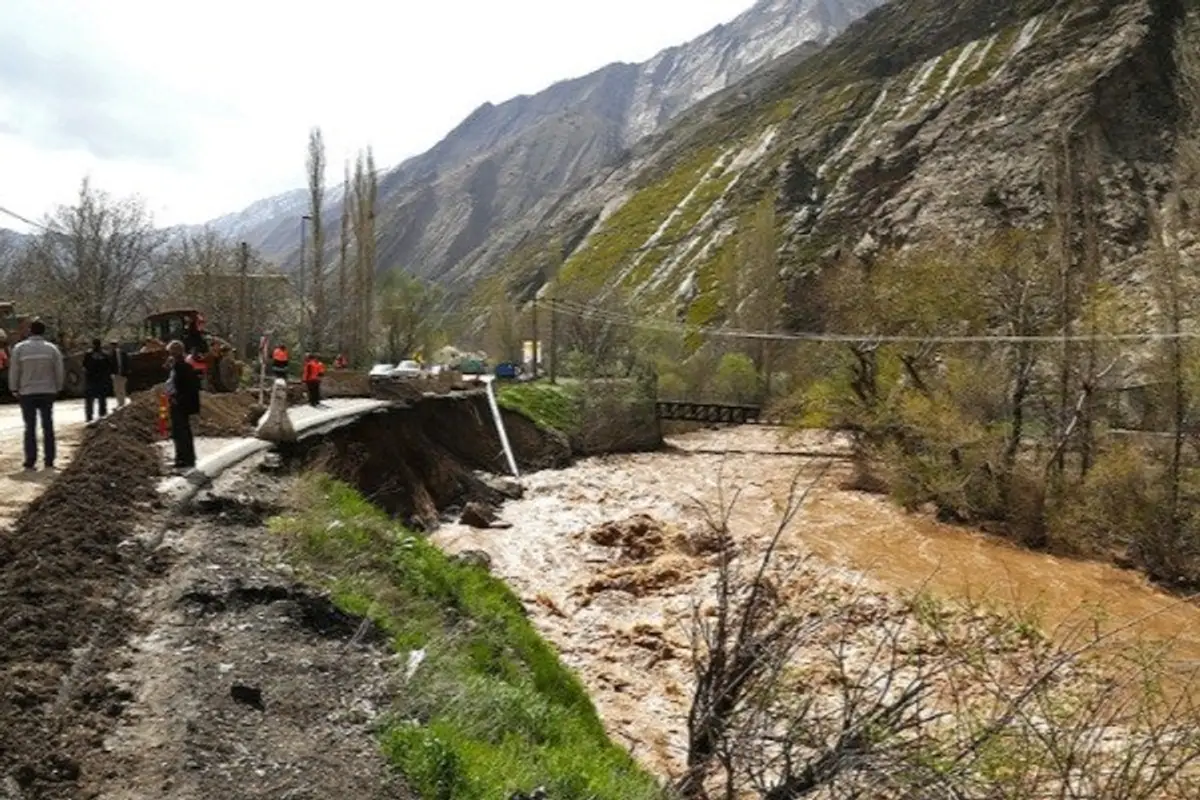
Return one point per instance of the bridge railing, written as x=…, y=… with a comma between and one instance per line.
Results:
x=712, y=413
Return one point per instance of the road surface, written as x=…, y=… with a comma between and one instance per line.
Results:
x=17, y=489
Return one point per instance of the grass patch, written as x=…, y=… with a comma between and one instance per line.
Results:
x=491, y=710
x=550, y=405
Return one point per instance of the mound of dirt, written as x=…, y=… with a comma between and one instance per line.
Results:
x=63, y=568
x=231, y=414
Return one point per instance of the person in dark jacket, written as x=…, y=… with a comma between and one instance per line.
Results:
x=183, y=390
x=120, y=373
x=97, y=372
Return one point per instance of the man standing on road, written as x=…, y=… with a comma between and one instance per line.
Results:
x=97, y=371
x=183, y=387
x=313, y=370
x=120, y=373
x=35, y=377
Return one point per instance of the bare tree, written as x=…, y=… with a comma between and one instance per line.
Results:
x=345, y=302
x=364, y=195
x=94, y=261
x=759, y=296
x=203, y=268
x=799, y=694
x=316, y=194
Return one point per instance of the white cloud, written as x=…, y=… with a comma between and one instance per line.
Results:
x=202, y=108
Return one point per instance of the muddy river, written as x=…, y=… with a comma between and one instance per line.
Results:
x=630, y=645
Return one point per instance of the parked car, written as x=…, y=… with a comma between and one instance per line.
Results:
x=380, y=373
x=408, y=369
x=473, y=366
x=508, y=371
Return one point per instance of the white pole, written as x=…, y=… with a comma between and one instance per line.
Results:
x=512, y=462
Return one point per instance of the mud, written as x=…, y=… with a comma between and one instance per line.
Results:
x=65, y=570
x=231, y=414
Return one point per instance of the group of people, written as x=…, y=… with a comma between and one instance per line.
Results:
x=104, y=370
x=36, y=376
x=311, y=375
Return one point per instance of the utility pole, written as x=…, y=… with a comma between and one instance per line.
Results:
x=535, y=339
x=303, y=291
x=553, y=342
x=243, y=268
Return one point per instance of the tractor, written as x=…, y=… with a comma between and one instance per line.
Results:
x=211, y=355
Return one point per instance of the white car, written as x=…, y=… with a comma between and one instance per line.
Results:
x=380, y=372
x=408, y=369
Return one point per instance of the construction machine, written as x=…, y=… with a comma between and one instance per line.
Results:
x=214, y=357
x=14, y=327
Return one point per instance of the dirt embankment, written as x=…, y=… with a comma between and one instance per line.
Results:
x=416, y=462
x=65, y=571
x=68, y=567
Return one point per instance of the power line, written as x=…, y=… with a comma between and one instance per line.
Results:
x=581, y=311
x=22, y=218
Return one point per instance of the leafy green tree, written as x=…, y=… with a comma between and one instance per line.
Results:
x=737, y=378
x=408, y=315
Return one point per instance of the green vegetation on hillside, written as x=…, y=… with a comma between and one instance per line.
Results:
x=491, y=709
x=619, y=237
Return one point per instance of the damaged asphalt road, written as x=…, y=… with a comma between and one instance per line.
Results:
x=244, y=682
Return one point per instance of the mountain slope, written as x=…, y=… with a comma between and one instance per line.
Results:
x=923, y=119
x=439, y=210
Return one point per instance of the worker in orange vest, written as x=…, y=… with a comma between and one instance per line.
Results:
x=313, y=370
x=279, y=361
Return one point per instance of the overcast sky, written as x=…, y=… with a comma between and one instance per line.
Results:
x=203, y=108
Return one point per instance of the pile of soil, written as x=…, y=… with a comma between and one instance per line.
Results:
x=345, y=383
x=63, y=569
x=231, y=414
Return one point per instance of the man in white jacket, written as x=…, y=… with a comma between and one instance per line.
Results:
x=35, y=377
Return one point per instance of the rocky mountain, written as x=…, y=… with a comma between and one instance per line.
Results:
x=923, y=119
x=505, y=163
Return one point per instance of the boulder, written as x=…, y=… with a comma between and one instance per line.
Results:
x=477, y=515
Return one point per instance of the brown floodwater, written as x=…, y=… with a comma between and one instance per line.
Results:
x=630, y=647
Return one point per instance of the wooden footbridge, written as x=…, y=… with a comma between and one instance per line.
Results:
x=713, y=413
